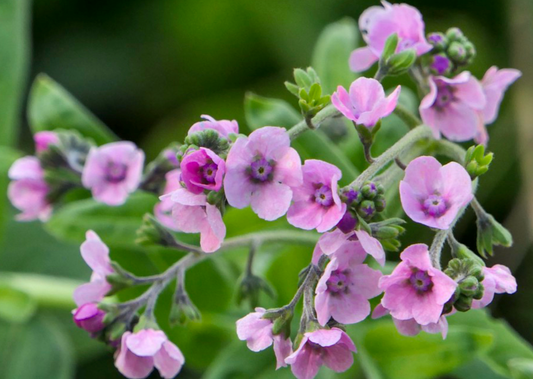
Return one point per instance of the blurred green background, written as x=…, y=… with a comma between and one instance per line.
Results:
x=148, y=70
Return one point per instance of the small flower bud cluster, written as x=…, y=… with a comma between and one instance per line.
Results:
x=468, y=274
x=308, y=90
x=476, y=161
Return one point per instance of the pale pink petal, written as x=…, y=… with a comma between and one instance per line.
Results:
x=131, y=365
x=169, y=360
x=407, y=327
x=362, y=59
x=213, y=231
x=271, y=201
x=282, y=349
x=305, y=215
x=417, y=255
x=92, y=292
x=495, y=83
x=288, y=169
x=372, y=246
x=324, y=337
x=146, y=342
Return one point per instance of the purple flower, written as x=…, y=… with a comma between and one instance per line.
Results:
x=316, y=204
x=260, y=170
x=415, y=289
x=453, y=107
x=223, y=127
x=432, y=194
x=44, y=139
x=28, y=190
x=378, y=23
x=366, y=103
x=140, y=352
x=96, y=254
x=193, y=214
x=202, y=170
x=257, y=332
x=330, y=347
x=411, y=327
x=336, y=242
x=345, y=287
x=498, y=279
x=113, y=171
x=494, y=83
x=163, y=209
x=89, y=317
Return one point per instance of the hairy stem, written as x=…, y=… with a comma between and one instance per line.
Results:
x=436, y=247
x=407, y=116
x=304, y=125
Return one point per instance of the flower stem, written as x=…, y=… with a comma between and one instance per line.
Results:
x=436, y=247
x=301, y=127
x=407, y=116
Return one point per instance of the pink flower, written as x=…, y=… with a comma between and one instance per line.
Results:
x=202, y=170
x=366, y=103
x=223, y=127
x=113, y=171
x=378, y=23
x=260, y=170
x=498, y=279
x=96, y=254
x=140, y=352
x=257, y=332
x=44, y=139
x=316, y=204
x=193, y=214
x=89, y=317
x=415, y=289
x=330, y=347
x=432, y=194
x=28, y=190
x=336, y=242
x=163, y=209
x=494, y=83
x=453, y=107
x=345, y=287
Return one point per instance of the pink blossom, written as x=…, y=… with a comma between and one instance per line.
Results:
x=330, y=347
x=28, y=190
x=411, y=327
x=193, y=214
x=366, y=103
x=163, y=209
x=345, y=286
x=494, y=83
x=498, y=279
x=378, y=23
x=89, y=317
x=336, y=242
x=140, y=352
x=44, y=139
x=415, y=289
x=257, y=332
x=202, y=170
x=113, y=171
x=316, y=204
x=432, y=194
x=96, y=254
x=453, y=107
x=260, y=170
x=223, y=127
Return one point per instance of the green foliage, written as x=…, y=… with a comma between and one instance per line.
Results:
x=52, y=107
x=15, y=306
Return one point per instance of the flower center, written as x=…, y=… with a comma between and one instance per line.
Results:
x=324, y=196
x=444, y=96
x=209, y=172
x=421, y=281
x=337, y=282
x=435, y=206
x=116, y=172
x=261, y=170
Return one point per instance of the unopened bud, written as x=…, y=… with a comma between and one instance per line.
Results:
x=153, y=233
x=183, y=310
x=401, y=62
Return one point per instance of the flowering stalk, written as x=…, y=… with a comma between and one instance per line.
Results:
x=328, y=112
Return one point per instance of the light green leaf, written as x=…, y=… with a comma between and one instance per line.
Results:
x=52, y=107
x=262, y=111
x=15, y=306
x=332, y=52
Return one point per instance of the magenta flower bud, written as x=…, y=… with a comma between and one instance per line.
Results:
x=497, y=279
x=44, y=139
x=415, y=289
x=347, y=223
x=89, y=317
x=316, y=203
x=378, y=23
x=223, y=127
x=257, y=332
x=440, y=65
x=140, y=352
x=432, y=194
x=28, y=190
x=261, y=171
x=324, y=347
x=113, y=171
x=366, y=103
x=202, y=170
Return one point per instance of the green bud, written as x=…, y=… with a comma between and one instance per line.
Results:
x=479, y=293
x=463, y=303
x=302, y=78
x=438, y=40
x=369, y=190
x=386, y=232
x=391, y=245
x=457, y=53
x=390, y=47
x=183, y=310
x=400, y=63
x=454, y=34
x=464, y=253
x=152, y=233
x=249, y=289
x=469, y=286
x=491, y=233
x=116, y=331
x=209, y=139
x=476, y=162
x=380, y=203
x=366, y=209
x=293, y=88
x=282, y=324
x=216, y=197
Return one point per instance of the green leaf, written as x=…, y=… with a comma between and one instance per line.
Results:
x=7, y=158
x=262, y=111
x=15, y=306
x=52, y=107
x=332, y=52
x=115, y=225
x=14, y=53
